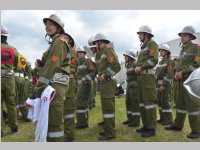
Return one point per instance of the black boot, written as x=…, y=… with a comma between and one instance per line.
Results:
x=82, y=126
x=140, y=130
x=165, y=123
x=148, y=133
x=132, y=125
x=68, y=139
x=126, y=122
x=14, y=130
x=193, y=135
x=173, y=128
x=102, y=133
x=103, y=138
x=159, y=121
x=101, y=123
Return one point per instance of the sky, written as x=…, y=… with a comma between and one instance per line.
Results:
x=27, y=31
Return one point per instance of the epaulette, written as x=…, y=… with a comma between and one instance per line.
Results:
x=65, y=39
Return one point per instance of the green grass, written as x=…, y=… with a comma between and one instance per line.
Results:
x=124, y=133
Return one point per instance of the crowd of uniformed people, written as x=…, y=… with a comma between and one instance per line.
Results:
x=152, y=83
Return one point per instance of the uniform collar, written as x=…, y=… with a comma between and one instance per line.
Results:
x=81, y=60
x=130, y=62
x=145, y=44
x=187, y=44
x=55, y=36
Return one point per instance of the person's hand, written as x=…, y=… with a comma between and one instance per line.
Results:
x=161, y=88
x=102, y=77
x=27, y=105
x=83, y=79
x=178, y=75
x=138, y=70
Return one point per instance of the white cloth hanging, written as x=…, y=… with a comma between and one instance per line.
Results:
x=39, y=113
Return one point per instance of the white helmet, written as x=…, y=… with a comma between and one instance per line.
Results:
x=91, y=40
x=100, y=36
x=130, y=54
x=188, y=30
x=80, y=49
x=55, y=19
x=165, y=47
x=4, y=31
x=145, y=29
x=192, y=85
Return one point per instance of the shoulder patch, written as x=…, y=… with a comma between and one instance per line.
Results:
x=65, y=39
x=151, y=51
x=54, y=58
x=111, y=59
x=108, y=46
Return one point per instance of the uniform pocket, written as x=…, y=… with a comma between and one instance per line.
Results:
x=55, y=114
x=108, y=89
x=149, y=92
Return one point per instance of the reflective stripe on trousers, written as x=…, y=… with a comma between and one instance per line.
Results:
x=108, y=115
x=166, y=110
x=181, y=111
x=82, y=111
x=195, y=113
x=55, y=134
x=129, y=112
x=69, y=116
x=148, y=106
x=135, y=113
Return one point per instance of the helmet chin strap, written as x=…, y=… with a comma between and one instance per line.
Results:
x=99, y=44
x=49, y=39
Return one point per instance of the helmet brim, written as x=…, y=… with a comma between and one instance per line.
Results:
x=147, y=33
x=193, y=36
x=164, y=50
x=129, y=56
x=107, y=41
x=4, y=34
x=81, y=52
x=49, y=19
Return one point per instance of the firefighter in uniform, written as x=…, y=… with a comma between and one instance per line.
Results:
x=94, y=83
x=93, y=86
x=107, y=66
x=95, y=51
x=8, y=62
x=85, y=71
x=147, y=60
x=188, y=62
x=175, y=82
x=132, y=96
x=70, y=102
x=20, y=82
x=28, y=87
x=54, y=69
x=164, y=73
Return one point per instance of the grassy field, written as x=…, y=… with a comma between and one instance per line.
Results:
x=124, y=133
